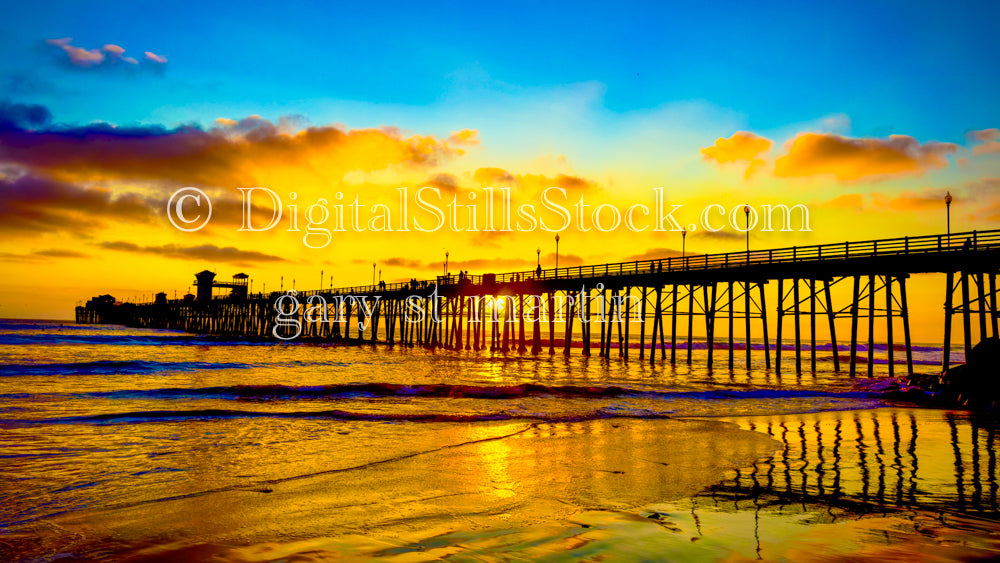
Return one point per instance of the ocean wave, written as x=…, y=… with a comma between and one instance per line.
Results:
x=113, y=367
x=445, y=390
x=58, y=338
x=340, y=415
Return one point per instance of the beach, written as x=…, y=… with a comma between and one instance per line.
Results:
x=162, y=446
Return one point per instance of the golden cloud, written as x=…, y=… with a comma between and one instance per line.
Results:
x=464, y=137
x=848, y=159
x=229, y=154
x=742, y=146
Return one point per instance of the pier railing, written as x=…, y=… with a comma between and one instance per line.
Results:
x=919, y=245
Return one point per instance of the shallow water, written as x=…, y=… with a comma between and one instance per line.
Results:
x=121, y=443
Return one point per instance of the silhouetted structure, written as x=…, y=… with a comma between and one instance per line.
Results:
x=727, y=286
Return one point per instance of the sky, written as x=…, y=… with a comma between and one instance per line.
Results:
x=865, y=113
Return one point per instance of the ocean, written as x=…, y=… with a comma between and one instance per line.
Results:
x=153, y=445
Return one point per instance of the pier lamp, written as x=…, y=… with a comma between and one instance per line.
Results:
x=373, y=273
x=446, y=262
x=282, y=288
x=947, y=205
x=538, y=256
x=684, y=236
x=746, y=212
x=321, y=280
x=557, y=253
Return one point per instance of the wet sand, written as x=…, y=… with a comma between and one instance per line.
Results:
x=895, y=483
x=462, y=479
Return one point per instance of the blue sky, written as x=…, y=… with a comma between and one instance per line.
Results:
x=922, y=69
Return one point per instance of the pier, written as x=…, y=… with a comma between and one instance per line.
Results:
x=518, y=312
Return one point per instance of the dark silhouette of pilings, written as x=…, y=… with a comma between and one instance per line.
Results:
x=538, y=312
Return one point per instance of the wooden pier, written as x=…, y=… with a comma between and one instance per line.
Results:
x=519, y=312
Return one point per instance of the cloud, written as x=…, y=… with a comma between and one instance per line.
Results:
x=447, y=183
x=910, y=201
x=38, y=204
x=229, y=154
x=848, y=159
x=984, y=186
x=155, y=58
x=464, y=137
x=42, y=255
x=22, y=116
x=719, y=235
x=988, y=139
x=206, y=252
x=742, y=146
x=495, y=177
x=107, y=56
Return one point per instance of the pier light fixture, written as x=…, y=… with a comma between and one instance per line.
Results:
x=947, y=204
x=373, y=273
x=557, y=252
x=538, y=256
x=684, y=236
x=446, y=262
x=746, y=213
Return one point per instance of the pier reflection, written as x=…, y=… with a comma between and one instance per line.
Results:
x=872, y=461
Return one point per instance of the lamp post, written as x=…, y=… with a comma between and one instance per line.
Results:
x=282, y=288
x=947, y=204
x=684, y=236
x=557, y=253
x=373, y=273
x=538, y=257
x=746, y=212
x=446, y=253
x=321, y=280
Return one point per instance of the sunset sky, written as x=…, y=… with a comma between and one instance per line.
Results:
x=866, y=114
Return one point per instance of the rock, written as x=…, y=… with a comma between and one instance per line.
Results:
x=976, y=384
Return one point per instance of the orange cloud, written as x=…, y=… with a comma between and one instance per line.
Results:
x=155, y=58
x=226, y=155
x=38, y=204
x=849, y=159
x=742, y=146
x=89, y=58
x=989, y=139
x=207, y=252
x=495, y=177
x=910, y=201
x=464, y=137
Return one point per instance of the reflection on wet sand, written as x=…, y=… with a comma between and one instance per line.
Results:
x=896, y=483
x=896, y=458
